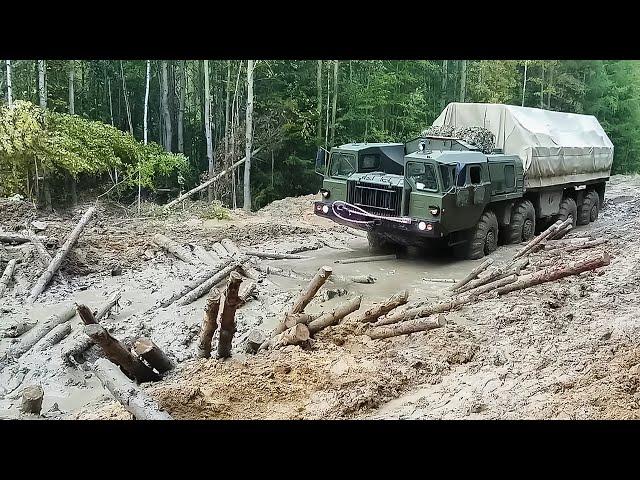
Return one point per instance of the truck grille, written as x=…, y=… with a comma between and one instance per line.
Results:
x=374, y=198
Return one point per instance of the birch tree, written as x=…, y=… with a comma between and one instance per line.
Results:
x=248, y=137
x=72, y=103
x=126, y=99
x=319, y=109
x=166, y=114
x=524, y=82
x=182, y=87
x=42, y=94
x=9, y=92
x=146, y=125
x=335, y=100
x=207, y=125
x=443, y=88
x=463, y=80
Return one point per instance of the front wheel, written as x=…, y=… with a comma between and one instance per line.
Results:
x=523, y=223
x=483, y=238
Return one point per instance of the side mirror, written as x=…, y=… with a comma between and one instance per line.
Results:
x=321, y=162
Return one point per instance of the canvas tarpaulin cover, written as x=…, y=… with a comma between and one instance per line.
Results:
x=555, y=147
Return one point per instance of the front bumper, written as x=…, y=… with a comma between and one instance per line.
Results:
x=399, y=232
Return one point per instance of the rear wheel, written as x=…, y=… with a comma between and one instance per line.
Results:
x=522, y=226
x=595, y=205
x=584, y=211
x=483, y=238
x=568, y=208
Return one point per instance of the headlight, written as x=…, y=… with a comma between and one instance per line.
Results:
x=325, y=193
x=422, y=226
x=325, y=209
x=434, y=211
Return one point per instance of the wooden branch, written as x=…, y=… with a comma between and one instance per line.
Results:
x=13, y=238
x=536, y=240
x=209, y=323
x=202, y=289
x=134, y=400
x=271, y=255
x=227, y=316
x=587, y=244
x=564, y=226
x=32, y=399
x=148, y=351
x=204, y=185
x=377, y=258
x=118, y=354
x=198, y=282
x=6, y=276
x=174, y=248
x=473, y=274
x=307, y=295
x=62, y=252
x=108, y=305
x=375, y=312
x=333, y=317
x=406, y=328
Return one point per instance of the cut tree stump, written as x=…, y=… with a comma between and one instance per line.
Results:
x=333, y=317
x=204, y=287
x=295, y=335
x=552, y=274
x=254, y=340
x=536, y=240
x=228, y=314
x=174, y=248
x=209, y=323
x=132, y=398
x=148, y=351
x=473, y=274
x=375, y=312
x=406, y=328
x=118, y=354
x=6, y=276
x=377, y=258
x=62, y=252
x=32, y=397
x=198, y=281
x=271, y=255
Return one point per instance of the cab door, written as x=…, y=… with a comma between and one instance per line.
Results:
x=471, y=195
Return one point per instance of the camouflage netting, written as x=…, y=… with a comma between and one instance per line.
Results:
x=477, y=136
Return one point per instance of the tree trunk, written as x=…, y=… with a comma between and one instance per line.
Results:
x=463, y=80
x=86, y=315
x=254, y=340
x=248, y=138
x=220, y=250
x=209, y=323
x=9, y=85
x=110, y=100
x=54, y=337
x=126, y=99
x=536, y=240
x=146, y=110
x=227, y=119
x=247, y=291
x=376, y=258
x=524, y=82
x=227, y=316
x=230, y=247
x=443, y=88
x=72, y=103
x=406, y=328
x=307, y=295
x=42, y=95
x=542, y=88
x=108, y=305
x=174, y=248
x=473, y=274
x=335, y=100
x=319, y=107
x=201, y=290
x=166, y=113
x=333, y=317
x=495, y=283
x=207, y=126
x=293, y=336
x=148, y=351
x=425, y=311
x=32, y=399
x=292, y=319
x=375, y=312
x=46, y=276
x=195, y=283
x=134, y=400
x=118, y=354
x=182, y=87
x=6, y=276
x=586, y=244
x=272, y=255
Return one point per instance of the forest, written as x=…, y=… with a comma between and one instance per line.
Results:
x=156, y=128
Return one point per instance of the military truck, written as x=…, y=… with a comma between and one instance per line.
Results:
x=545, y=166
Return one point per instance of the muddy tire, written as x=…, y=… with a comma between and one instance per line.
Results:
x=483, y=239
x=568, y=208
x=522, y=226
x=588, y=211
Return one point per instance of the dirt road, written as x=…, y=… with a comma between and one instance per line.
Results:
x=567, y=349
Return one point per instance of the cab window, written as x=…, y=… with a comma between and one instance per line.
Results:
x=448, y=174
x=475, y=174
x=423, y=176
x=369, y=163
x=509, y=177
x=342, y=165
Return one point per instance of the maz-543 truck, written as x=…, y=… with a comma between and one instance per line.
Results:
x=545, y=166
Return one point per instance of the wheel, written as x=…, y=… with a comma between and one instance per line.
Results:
x=595, y=205
x=588, y=208
x=522, y=226
x=568, y=208
x=483, y=238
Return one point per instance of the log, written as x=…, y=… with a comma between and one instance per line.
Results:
x=367, y=279
x=440, y=280
x=375, y=312
x=174, y=248
x=54, y=337
x=254, y=340
x=568, y=223
x=495, y=284
x=134, y=400
x=86, y=315
x=536, y=240
x=377, y=258
x=491, y=276
x=305, y=297
x=268, y=269
x=230, y=247
x=13, y=238
x=62, y=252
x=552, y=274
x=246, y=291
x=118, y=354
x=148, y=351
x=220, y=250
x=425, y=311
x=108, y=305
x=43, y=255
x=205, y=257
x=248, y=271
x=271, y=255
x=228, y=314
x=473, y=274
x=292, y=319
x=562, y=232
x=198, y=282
x=204, y=185
x=293, y=336
x=587, y=244
x=32, y=399
x=16, y=329
x=203, y=288
x=333, y=317
x=406, y=328
x=6, y=276
x=209, y=323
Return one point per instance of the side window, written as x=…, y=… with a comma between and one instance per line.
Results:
x=370, y=162
x=475, y=176
x=509, y=177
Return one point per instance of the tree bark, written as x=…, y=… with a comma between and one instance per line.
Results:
x=524, y=82
x=134, y=400
x=377, y=258
x=375, y=312
x=248, y=138
x=209, y=323
x=202, y=289
x=32, y=399
x=9, y=85
x=46, y=276
x=118, y=354
x=494, y=284
x=166, y=113
x=148, y=351
x=207, y=127
x=425, y=311
x=335, y=100
x=295, y=335
x=319, y=108
x=6, y=276
x=42, y=95
x=72, y=103
x=406, y=328
x=13, y=238
x=227, y=316
x=174, y=248
x=473, y=274
x=227, y=119
x=307, y=295
x=333, y=317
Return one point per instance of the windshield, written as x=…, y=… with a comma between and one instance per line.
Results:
x=342, y=164
x=423, y=175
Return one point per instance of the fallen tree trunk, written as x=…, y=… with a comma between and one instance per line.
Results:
x=495, y=275
x=62, y=252
x=292, y=319
x=118, y=354
x=549, y=275
x=295, y=335
x=440, y=280
x=307, y=295
x=203, y=288
x=564, y=225
x=495, y=284
x=375, y=312
x=367, y=279
x=54, y=337
x=204, y=185
x=473, y=274
x=32, y=399
x=230, y=247
x=134, y=400
x=198, y=282
x=268, y=269
x=228, y=314
x=587, y=244
x=536, y=240
x=174, y=248
x=13, y=238
x=43, y=255
x=220, y=250
x=209, y=323
x=110, y=303
x=6, y=276
x=271, y=255
x=425, y=311
x=405, y=328
x=333, y=317
x=148, y=351
x=561, y=233
x=16, y=329
x=377, y=258
x=205, y=257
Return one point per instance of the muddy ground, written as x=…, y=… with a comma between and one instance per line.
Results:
x=566, y=349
